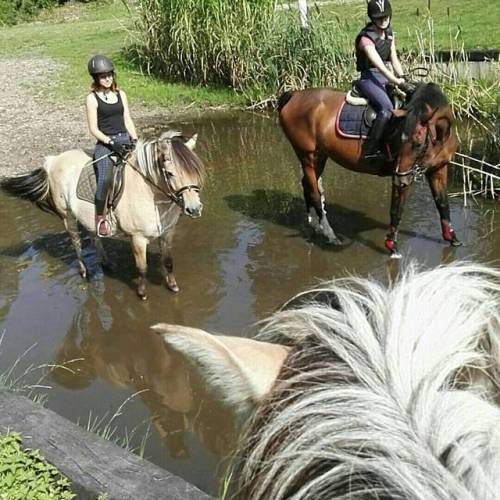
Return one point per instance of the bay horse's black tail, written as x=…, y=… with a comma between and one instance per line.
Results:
x=283, y=99
x=33, y=187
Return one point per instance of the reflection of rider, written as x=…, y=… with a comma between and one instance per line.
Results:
x=110, y=123
x=375, y=48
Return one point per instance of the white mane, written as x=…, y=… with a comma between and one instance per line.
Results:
x=147, y=154
x=388, y=392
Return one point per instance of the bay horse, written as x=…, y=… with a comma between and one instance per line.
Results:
x=365, y=390
x=161, y=180
x=420, y=139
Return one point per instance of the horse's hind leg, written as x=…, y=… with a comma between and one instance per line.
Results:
x=71, y=226
x=139, y=248
x=313, y=165
x=167, y=261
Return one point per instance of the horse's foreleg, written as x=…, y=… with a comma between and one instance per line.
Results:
x=72, y=228
x=139, y=248
x=313, y=166
x=167, y=261
x=400, y=190
x=438, y=182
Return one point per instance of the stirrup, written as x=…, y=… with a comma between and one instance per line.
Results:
x=102, y=227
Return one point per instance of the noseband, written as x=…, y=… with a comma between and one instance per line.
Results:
x=176, y=195
x=173, y=194
x=418, y=171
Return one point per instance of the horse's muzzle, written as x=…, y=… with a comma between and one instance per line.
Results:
x=193, y=212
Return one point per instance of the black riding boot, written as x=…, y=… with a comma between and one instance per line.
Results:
x=372, y=145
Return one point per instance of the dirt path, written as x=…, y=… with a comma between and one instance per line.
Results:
x=33, y=126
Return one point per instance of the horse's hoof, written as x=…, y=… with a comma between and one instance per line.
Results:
x=173, y=288
x=335, y=241
x=143, y=297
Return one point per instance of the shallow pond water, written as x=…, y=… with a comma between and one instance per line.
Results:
x=249, y=252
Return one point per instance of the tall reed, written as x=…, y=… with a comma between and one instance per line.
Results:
x=246, y=45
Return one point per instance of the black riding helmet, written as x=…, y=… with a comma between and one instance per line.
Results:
x=99, y=64
x=379, y=8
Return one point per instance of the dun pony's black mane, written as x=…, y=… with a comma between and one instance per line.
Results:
x=426, y=94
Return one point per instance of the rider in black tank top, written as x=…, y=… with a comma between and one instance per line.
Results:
x=110, y=116
x=110, y=123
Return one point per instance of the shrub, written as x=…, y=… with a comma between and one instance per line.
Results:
x=25, y=473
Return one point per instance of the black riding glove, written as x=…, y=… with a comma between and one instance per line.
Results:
x=407, y=87
x=117, y=148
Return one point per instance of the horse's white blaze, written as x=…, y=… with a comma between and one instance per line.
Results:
x=240, y=370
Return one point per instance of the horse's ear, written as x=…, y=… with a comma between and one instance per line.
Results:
x=240, y=371
x=441, y=129
x=427, y=114
x=191, y=142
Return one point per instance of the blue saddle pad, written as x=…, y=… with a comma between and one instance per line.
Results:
x=351, y=121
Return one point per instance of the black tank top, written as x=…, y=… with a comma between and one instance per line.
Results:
x=110, y=119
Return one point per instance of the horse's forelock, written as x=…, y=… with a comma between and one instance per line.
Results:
x=171, y=143
x=187, y=161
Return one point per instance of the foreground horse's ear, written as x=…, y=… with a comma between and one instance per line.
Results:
x=240, y=371
x=191, y=142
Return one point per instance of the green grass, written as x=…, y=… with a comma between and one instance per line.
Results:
x=72, y=34
x=473, y=22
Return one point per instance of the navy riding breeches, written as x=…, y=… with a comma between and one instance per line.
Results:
x=372, y=86
x=104, y=165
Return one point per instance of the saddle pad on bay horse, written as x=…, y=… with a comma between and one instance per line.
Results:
x=352, y=121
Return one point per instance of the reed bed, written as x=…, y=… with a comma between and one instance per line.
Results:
x=259, y=51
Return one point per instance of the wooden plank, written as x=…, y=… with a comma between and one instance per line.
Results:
x=92, y=464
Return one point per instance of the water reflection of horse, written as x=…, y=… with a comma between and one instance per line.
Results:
x=178, y=402
x=419, y=138
x=367, y=391
x=162, y=179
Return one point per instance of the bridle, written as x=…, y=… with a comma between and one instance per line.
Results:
x=176, y=194
x=173, y=194
x=418, y=171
